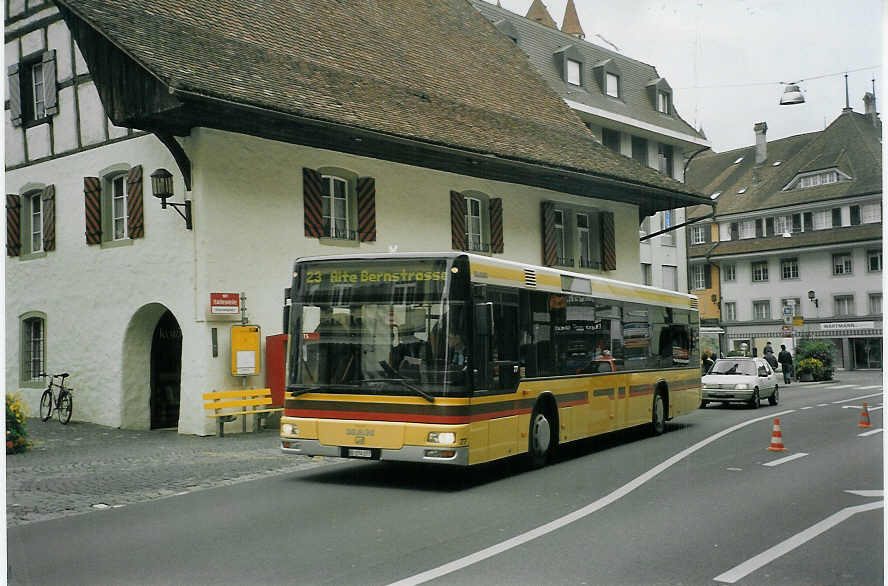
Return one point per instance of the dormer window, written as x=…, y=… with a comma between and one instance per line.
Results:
x=613, y=85
x=816, y=178
x=609, y=78
x=570, y=63
x=573, y=72
x=660, y=95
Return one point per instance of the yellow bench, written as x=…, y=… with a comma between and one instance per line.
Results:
x=228, y=405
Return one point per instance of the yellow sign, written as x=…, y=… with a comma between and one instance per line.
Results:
x=798, y=321
x=364, y=276
x=245, y=343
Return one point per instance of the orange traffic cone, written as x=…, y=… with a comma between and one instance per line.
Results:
x=776, y=438
x=864, y=418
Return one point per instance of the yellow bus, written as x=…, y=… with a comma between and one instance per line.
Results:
x=456, y=358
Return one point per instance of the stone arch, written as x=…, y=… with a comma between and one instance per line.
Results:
x=136, y=367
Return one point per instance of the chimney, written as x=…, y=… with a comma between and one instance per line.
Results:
x=869, y=108
x=538, y=13
x=571, y=23
x=761, y=143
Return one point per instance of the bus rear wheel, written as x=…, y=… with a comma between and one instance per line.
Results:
x=540, y=439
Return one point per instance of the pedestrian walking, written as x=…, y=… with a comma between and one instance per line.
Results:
x=707, y=362
x=785, y=360
x=768, y=348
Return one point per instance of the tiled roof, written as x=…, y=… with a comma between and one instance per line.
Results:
x=851, y=144
x=432, y=71
x=541, y=42
x=846, y=235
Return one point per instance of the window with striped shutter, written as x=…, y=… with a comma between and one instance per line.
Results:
x=134, y=206
x=312, y=205
x=92, y=195
x=550, y=250
x=496, y=225
x=13, y=225
x=48, y=198
x=458, y=221
x=366, y=197
x=608, y=242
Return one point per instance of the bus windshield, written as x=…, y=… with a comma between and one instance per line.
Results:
x=379, y=326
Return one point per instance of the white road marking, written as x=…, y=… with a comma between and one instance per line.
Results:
x=841, y=387
x=868, y=407
x=784, y=547
x=823, y=405
x=870, y=432
x=857, y=398
x=870, y=387
x=560, y=522
x=732, y=469
x=803, y=408
x=785, y=460
x=867, y=493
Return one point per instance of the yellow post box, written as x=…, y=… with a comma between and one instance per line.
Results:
x=245, y=341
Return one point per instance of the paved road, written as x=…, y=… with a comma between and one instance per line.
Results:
x=366, y=523
x=79, y=467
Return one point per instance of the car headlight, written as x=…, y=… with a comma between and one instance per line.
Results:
x=741, y=387
x=441, y=437
x=289, y=429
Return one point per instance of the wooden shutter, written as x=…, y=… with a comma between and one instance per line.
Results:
x=312, y=204
x=496, y=225
x=134, y=207
x=366, y=209
x=550, y=250
x=48, y=198
x=13, y=225
x=50, y=95
x=707, y=276
x=608, y=242
x=15, y=94
x=92, y=196
x=458, y=240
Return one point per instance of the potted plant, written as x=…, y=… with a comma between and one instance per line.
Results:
x=822, y=352
x=809, y=369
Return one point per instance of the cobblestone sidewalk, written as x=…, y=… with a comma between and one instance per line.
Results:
x=80, y=467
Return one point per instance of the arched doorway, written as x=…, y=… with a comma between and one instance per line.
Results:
x=166, y=372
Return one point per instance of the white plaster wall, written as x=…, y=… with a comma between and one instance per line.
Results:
x=90, y=294
x=79, y=62
x=16, y=7
x=13, y=143
x=32, y=42
x=59, y=38
x=39, y=141
x=115, y=131
x=64, y=124
x=92, y=115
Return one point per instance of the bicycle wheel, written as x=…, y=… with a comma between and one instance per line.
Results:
x=66, y=405
x=46, y=405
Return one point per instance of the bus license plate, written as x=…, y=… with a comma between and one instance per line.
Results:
x=359, y=453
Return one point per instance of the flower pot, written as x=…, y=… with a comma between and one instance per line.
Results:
x=806, y=377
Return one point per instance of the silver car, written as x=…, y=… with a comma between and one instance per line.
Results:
x=740, y=380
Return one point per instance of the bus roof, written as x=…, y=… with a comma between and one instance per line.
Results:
x=495, y=271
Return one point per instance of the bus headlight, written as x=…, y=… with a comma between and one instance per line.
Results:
x=441, y=437
x=289, y=429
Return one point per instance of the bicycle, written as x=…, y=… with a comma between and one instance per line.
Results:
x=62, y=403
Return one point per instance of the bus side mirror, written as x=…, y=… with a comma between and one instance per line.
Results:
x=286, y=312
x=484, y=319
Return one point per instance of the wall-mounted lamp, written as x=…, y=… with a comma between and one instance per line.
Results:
x=813, y=297
x=162, y=188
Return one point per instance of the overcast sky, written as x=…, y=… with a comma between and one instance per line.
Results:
x=698, y=44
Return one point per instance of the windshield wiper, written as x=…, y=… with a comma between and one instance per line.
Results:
x=296, y=390
x=397, y=378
